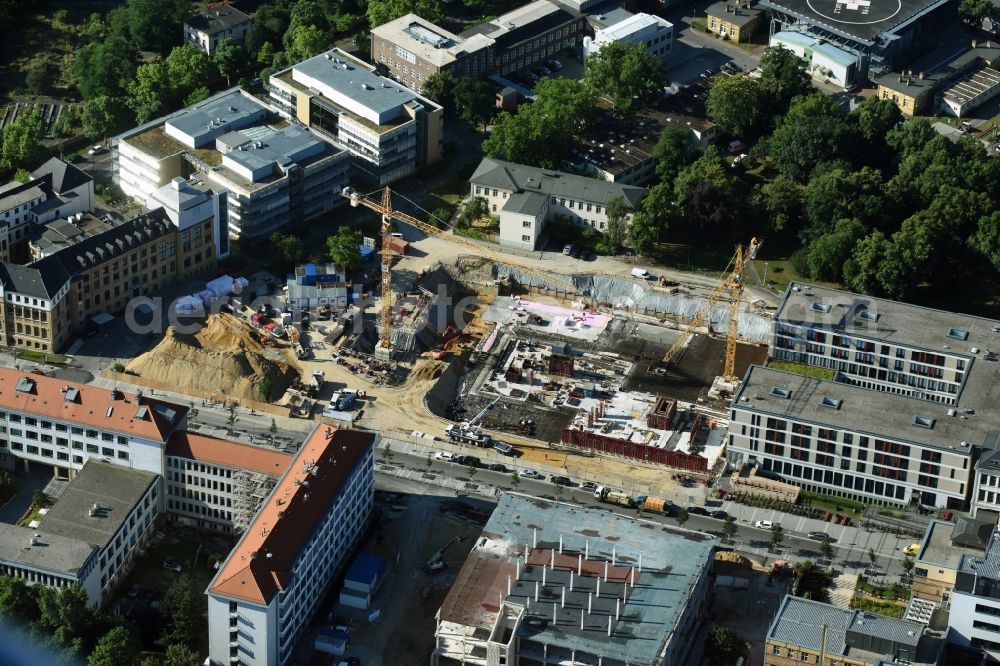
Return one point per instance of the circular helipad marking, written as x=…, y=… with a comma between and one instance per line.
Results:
x=861, y=9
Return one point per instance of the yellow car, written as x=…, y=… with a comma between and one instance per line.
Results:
x=912, y=549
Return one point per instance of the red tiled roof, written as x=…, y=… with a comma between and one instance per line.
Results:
x=48, y=398
x=231, y=454
x=290, y=515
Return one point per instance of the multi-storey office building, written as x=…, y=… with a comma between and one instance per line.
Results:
x=275, y=172
x=216, y=484
x=261, y=600
x=62, y=424
x=411, y=49
x=49, y=559
x=390, y=130
x=654, y=33
x=887, y=345
x=974, y=617
x=46, y=302
x=986, y=483
x=535, y=590
x=841, y=439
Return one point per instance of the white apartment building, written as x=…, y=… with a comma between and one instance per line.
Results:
x=986, y=483
x=275, y=172
x=974, y=617
x=525, y=198
x=654, y=33
x=391, y=131
x=206, y=29
x=263, y=597
x=90, y=535
x=48, y=421
x=216, y=484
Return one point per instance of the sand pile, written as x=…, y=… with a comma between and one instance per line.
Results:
x=426, y=368
x=224, y=357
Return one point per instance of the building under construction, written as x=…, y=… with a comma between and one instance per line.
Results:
x=538, y=589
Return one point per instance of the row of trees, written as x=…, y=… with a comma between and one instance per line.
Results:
x=62, y=622
x=341, y=249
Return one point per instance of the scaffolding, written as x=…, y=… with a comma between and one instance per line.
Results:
x=250, y=489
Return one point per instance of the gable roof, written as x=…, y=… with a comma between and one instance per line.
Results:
x=261, y=563
x=523, y=178
x=32, y=282
x=87, y=405
x=186, y=444
x=64, y=176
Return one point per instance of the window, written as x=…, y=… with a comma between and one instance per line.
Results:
x=525, y=239
x=526, y=224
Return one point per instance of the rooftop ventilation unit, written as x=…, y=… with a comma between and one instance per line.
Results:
x=781, y=392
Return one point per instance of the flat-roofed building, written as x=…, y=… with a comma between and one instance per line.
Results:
x=939, y=559
x=275, y=172
x=536, y=589
x=111, y=508
x=974, y=612
x=412, y=49
x=390, y=130
x=64, y=424
x=217, y=484
x=49, y=559
x=654, y=33
x=813, y=632
x=263, y=597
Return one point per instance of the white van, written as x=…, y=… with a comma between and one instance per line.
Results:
x=641, y=273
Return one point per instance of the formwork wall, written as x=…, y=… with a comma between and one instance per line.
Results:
x=618, y=447
x=662, y=415
x=561, y=365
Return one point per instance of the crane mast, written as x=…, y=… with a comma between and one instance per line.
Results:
x=388, y=213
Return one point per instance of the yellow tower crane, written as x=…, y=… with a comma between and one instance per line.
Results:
x=384, y=207
x=732, y=284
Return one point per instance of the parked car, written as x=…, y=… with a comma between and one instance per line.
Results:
x=469, y=461
x=821, y=536
x=911, y=550
x=497, y=467
x=588, y=485
x=171, y=566
x=764, y=525
x=720, y=514
x=562, y=480
x=554, y=64
x=731, y=67
x=96, y=150
x=445, y=456
x=697, y=510
x=530, y=474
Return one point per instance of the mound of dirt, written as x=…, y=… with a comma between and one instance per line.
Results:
x=427, y=369
x=731, y=563
x=224, y=357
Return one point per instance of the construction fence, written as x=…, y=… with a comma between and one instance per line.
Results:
x=651, y=454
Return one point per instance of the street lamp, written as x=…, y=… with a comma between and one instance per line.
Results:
x=765, y=273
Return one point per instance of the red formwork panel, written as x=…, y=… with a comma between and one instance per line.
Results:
x=617, y=447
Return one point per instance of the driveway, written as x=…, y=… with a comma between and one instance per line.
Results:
x=27, y=484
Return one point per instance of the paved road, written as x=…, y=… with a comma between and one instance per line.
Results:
x=695, y=51
x=850, y=548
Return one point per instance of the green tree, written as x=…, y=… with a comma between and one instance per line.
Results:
x=387, y=453
x=383, y=11
x=230, y=59
x=861, y=270
x=673, y=152
x=615, y=234
x=706, y=192
x=440, y=87
x=907, y=564
x=475, y=209
x=986, y=239
x=180, y=655
x=643, y=233
x=826, y=548
x=876, y=117
x=781, y=200
x=266, y=54
x=115, y=648
x=196, y=95
x=872, y=557
x=268, y=25
x=18, y=601
x=625, y=73
x=69, y=120
x=827, y=254
x=22, y=175
x=39, y=499
x=232, y=418
x=735, y=103
x=813, y=132
x=682, y=517
x=474, y=100
x=287, y=248
x=972, y=12
x=104, y=68
x=306, y=41
x=154, y=25
x=21, y=146
x=182, y=610
x=723, y=646
x=515, y=479
x=101, y=115
x=273, y=430
x=306, y=13
x=149, y=92
x=777, y=536
x=264, y=390
x=189, y=69
x=39, y=76
x=729, y=528
x=343, y=248
x=784, y=76
x=840, y=193
x=61, y=16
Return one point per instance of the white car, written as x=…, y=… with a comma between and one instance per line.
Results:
x=764, y=525
x=531, y=474
x=444, y=455
x=96, y=150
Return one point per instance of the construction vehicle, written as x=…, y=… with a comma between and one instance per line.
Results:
x=731, y=285
x=384, y=207
x=436, y=562
x=644, y=502
x=470, y=432
x=612, y=496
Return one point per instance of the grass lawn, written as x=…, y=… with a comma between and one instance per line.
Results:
x=832, y=503
x=39, y=357
x=801, y=369
x=889, y=608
